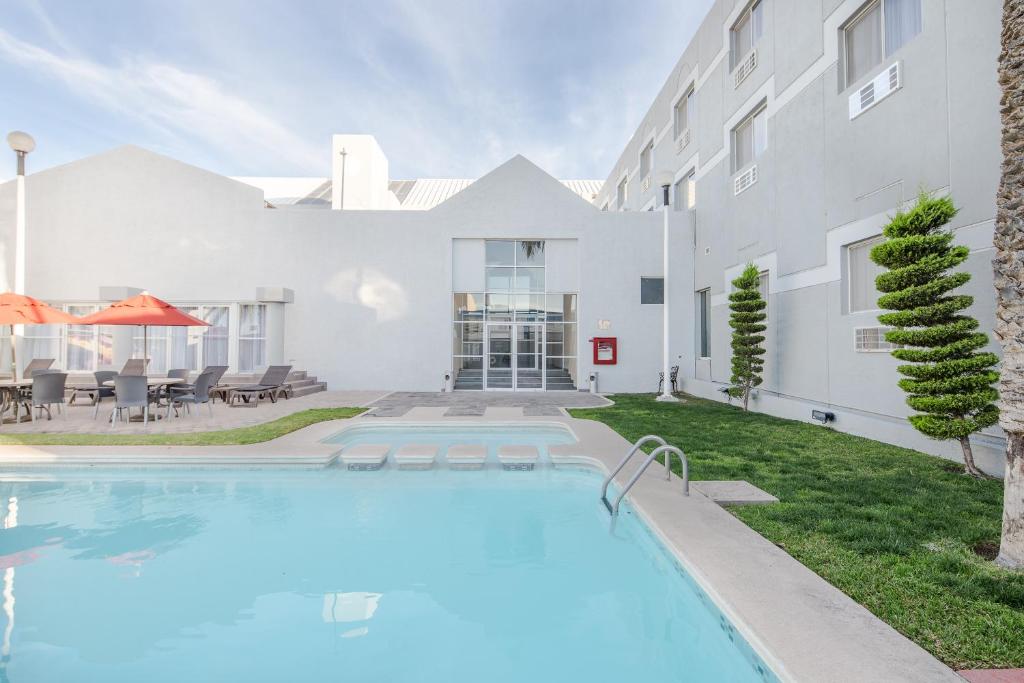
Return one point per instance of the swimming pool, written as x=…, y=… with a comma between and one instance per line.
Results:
x=491, y=434
x=322, y=575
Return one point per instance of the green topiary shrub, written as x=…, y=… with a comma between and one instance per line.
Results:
x=747, y=323
x=947, y=379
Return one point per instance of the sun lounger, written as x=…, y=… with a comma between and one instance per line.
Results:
x=517, y=457
x=466, y=456
x=365, y=456
x=419, y=456
x=271, y=385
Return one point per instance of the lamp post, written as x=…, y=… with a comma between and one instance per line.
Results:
x=344, y=155
x=664, y=179
x=22, y=144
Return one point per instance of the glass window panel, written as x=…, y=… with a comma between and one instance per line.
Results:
x=703, y=317
x=500, y=252
x=902, y=22
x=744, y=141
x=468, y=307
x=498, y=307
x=468, y=339
x=531, y=253
x=529, y=280
x=652, y=290
x=252, y=337
x=679, y=122
x=500, y=279
x=80, y=347
x=41, y=341
x=620, y=193
x=561, y=307
x=529, y=307
x=756, y=23
x=215, y=337
x=864, y=43
x=760, y=132
x=155, y=349
x=645, y=159
x=861, y=275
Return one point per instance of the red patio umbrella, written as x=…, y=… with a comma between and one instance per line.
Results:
x=142, y=309
x=18, y=309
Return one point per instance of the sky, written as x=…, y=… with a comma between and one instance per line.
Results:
x=256, y=88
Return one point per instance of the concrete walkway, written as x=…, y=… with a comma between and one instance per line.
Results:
x=477, y=403
x=80, y=416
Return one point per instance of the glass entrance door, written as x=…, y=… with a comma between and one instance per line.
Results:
x=515, y=357
x=529, y=368
x=499, y=357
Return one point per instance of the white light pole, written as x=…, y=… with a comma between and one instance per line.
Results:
x=22, y=144
x=664, y=179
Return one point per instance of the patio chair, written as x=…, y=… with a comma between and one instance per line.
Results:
x=48, y=390
x=200, y=394
x=35, y=365
x=271, y=385
x=96, y=392
x=135, y=366
x=130, y=391
x=216, y=389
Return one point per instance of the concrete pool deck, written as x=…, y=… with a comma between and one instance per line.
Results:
x=804, y=628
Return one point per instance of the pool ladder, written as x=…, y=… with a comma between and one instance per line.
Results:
x=613, y=507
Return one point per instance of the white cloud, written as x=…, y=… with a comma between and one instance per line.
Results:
x=175, y=102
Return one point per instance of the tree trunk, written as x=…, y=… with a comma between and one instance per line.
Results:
x=1008, y=266
x=1011, y=550
x=969, y=466
x=746, y=397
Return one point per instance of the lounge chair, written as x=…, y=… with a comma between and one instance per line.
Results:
x=97, y=392
x=35, y=365
x=271, y=385
x=134, y=366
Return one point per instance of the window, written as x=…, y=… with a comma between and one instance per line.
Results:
x=87, y=347
x=686, y=192
x=861, y=272
x=645, y=159
x=604, y=207
x=252, y=337
x=872, y=339
x=750, y=138
x=40, y=341
x=762, y=288
x=881, y=28
x=681, y=114
x=215, y=337
x=703, y=319
x=746, y=31
x=652, y=290
x=620, y=193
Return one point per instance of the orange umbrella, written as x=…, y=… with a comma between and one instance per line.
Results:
x=142, y=309
x=18, y=309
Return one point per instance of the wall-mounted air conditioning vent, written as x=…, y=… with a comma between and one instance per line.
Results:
x=745, y=68
x=683, y=141
x=872, y=339
x=645, y=184
x=880, y=87
x=745, y=180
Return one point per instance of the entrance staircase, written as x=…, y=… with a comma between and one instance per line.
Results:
x=558, y=380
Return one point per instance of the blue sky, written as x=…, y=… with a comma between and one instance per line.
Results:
x=249, y=87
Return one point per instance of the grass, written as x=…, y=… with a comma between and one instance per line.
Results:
x=897, y=530
x=224, y=437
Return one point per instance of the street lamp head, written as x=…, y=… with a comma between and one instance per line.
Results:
x=664, y=178
x=21, y=142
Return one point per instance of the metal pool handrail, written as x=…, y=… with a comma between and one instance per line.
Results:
x=613, y=508
x=636, y=446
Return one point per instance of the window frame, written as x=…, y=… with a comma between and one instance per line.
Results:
x=747, y=15
x=750, y=118
x=704, y=323
x=866, y=242
x=844, y=33
x=648, y=150
x=622, y=191
x=685, y=100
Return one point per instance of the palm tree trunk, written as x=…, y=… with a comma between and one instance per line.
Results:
x=1008, y=266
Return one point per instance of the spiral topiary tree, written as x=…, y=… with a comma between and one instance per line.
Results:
x=747, y=323
x=947, y=379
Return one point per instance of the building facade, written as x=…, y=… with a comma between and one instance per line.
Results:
x=794, y=129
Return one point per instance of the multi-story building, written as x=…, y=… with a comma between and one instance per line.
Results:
x=794, y=128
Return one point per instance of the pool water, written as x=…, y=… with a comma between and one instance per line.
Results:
x=492, y=435
x=331, y=575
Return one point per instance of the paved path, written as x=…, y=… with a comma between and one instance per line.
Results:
x=80, y=416
x=476, y=403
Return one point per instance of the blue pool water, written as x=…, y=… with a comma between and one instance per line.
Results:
x=444, y=435
x=330, y=575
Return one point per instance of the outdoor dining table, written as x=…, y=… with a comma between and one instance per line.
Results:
x=153, y=382
x=9, y=390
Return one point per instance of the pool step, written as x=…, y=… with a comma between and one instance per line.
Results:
x=466, y=456
x=365, y=456
x=518, y=457
x=416, y=456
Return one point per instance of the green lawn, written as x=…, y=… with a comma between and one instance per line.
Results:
x=225, y=437
x=893, y=528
